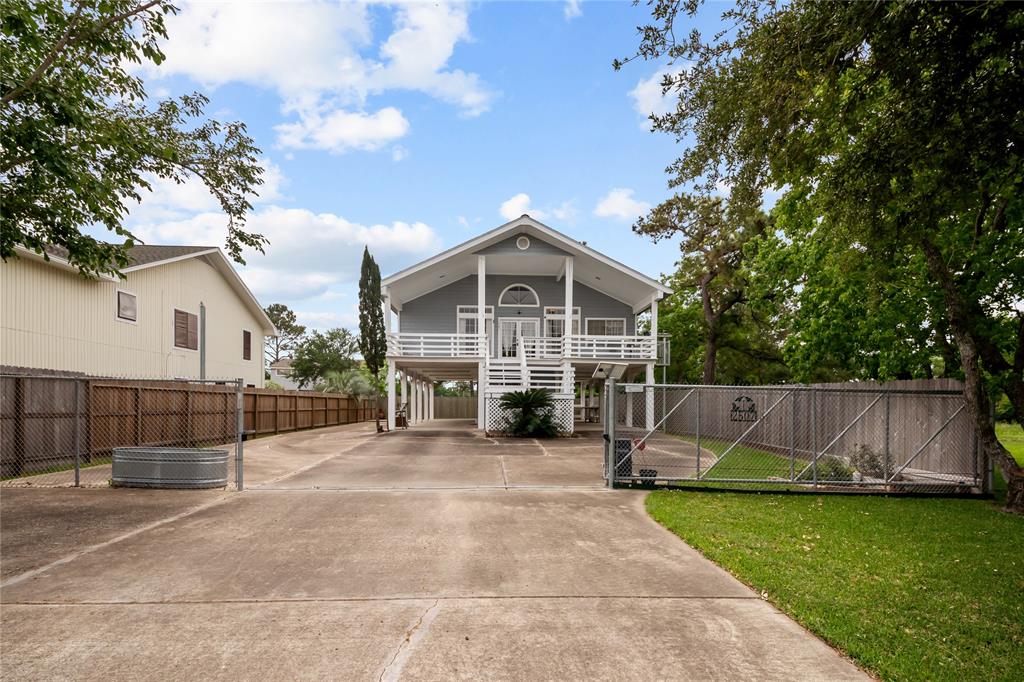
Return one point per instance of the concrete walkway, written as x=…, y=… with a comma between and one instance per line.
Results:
x=428, y=554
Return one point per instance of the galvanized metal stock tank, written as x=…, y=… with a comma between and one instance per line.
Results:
x=170, y=468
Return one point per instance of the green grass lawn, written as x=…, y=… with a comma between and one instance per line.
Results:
x=908, y=588
x=1012, y=438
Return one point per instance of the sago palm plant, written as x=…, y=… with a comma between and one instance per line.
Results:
x=530, y=413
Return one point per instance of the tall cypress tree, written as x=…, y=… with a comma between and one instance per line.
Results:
x=372, y=338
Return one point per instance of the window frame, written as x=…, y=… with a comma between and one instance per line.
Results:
x=577, y=318
x=461, y=314
x=607, y=319
x=174, y=340
x=117, y=306
x=519, y=305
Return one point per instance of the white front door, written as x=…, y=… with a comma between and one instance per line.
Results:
x=511, y=328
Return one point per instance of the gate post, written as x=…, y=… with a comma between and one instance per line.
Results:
x=698, y=432
x=609, y=430
x=78, y=431
x=239, y=429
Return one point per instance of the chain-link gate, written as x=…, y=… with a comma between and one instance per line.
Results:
x=786, y=437
x=60, y=431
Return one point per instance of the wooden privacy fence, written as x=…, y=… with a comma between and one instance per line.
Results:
x=48, y=421
x=455, y=407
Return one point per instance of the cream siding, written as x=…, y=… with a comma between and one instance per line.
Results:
x=55, y=319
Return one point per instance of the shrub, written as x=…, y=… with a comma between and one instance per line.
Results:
x=530, y=413
x=830, y=468
x=867, y=462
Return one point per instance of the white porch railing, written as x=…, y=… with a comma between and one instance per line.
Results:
x=528, y=347
x=413, y=345
x=609, y=347
x=546, y=347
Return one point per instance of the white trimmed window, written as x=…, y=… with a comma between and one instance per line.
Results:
x=554, y=321
x=518, y=296
x=606, y=326
x=467, y=319
x=127, y=306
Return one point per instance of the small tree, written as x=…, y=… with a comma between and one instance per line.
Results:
x=323, y=352
x=372, y=335
x=289, y=332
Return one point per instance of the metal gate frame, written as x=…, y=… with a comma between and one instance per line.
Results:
x=805, y=465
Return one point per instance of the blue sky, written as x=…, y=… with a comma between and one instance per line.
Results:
x=412, y=127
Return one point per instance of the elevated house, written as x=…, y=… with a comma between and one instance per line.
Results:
x=521, y=306
x=178, y=312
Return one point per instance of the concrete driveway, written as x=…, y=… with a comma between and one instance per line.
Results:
x=428, y=554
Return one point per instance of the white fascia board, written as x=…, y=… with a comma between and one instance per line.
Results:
x=165, y=261
x=571, y=245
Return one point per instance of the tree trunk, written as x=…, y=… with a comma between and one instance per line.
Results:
x=710, y=356
x=975, y=395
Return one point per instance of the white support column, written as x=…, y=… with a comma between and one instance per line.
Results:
x=421, y=414
x=430, y=400
x=649, y=395
x=405, y=393
x=481, y=390
x=423, y=400
x=481, y=297
x=387, y=310
x=414, y=403
x=567, y=322
x=391, y=395
x=654, y=324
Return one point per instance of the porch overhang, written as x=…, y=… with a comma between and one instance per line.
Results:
x=591, y=268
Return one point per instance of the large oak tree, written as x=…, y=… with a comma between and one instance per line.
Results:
x=898, y=126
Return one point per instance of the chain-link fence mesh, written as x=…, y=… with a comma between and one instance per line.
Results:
x=60, y=431
x=793, y=437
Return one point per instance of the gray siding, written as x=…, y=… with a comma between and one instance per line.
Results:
x=538, y=247
x=435, y=312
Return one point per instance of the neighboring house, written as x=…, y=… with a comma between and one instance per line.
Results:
x=148, y=324
x=493, y=311
x=281, y=374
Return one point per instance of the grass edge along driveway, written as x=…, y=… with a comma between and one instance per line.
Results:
x=909, y=588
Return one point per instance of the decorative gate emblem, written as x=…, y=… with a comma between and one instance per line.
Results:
x=743, y=410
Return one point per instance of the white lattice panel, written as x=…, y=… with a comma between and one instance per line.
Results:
x=497, y=417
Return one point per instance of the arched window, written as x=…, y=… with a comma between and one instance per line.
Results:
x=518, y=296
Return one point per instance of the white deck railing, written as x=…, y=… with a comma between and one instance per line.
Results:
x=532, y=347
x=610, y=347
x=547, y=347
x=412, y=345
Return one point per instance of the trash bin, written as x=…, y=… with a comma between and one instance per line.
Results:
x=623, y=462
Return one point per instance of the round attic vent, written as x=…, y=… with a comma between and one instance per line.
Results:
x=523, y=243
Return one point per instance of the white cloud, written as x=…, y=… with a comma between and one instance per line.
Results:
x=620, y=204
x=573, y=9
x=327, y=319
x=398, y=153
x=566, y=212
x=339, y=131
x=517, y=205
x=647, y=96
x=318, y=56
x=308, y=252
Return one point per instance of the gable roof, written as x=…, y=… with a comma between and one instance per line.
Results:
x=591, y=267
x=145, y=256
